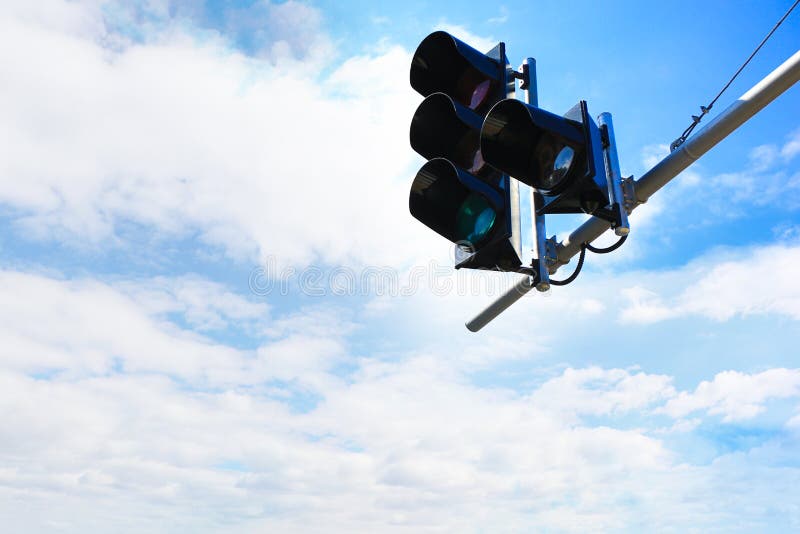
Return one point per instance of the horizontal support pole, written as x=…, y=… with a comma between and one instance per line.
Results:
x=750, y=103
x=505, y=300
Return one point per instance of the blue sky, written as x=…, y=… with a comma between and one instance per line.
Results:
x=218, y=315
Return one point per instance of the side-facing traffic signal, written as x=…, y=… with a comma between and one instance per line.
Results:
x=561, y=157
x=456, y=193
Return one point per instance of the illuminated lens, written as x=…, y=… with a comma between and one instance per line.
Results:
x=474, y=219
x=479, y=94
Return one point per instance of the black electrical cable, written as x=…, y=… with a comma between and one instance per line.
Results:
x=574, y=275
x=582, y=257
x=606, y=250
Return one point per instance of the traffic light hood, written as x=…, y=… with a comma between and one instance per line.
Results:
x=526, y=142
x=454, y=203
x=442, y=128
x=455, y=193
x=444, y=64
x=560, y=157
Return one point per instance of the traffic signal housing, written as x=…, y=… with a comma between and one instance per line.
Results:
x=560, y=157
x=456, y=193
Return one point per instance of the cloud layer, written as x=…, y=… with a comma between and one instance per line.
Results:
x=174, y=403
x=184, y=134
x=110, y=406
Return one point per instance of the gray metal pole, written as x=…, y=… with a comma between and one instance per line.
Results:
x=497, y=307
x=715, y=131
x=524, y=285
x=538, y=227
x=726, y=122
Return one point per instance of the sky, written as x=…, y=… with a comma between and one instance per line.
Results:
x=217, y=314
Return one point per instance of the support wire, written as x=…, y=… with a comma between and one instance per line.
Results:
x=705, y=109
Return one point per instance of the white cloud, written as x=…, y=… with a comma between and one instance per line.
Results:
x=501, y=18
x=596, y=391
x=794, y=422
x=644, y=306
x=698, y=200
x=681, y=426
x=767, y=285
x=652, y=154
x=87, y=327
x=186, y=135
x=759, y=280
x=205, y=305
x=768, y=179
x=282, y=31
x=479, y=43
x=763, y=157
x=737, y=396
x=195, y=437
x=787, y=233
x=792, y=146
x=766, y=156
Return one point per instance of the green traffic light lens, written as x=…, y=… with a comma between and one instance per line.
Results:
x=475, y=218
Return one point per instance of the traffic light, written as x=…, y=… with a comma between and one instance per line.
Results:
x=456, y=193
x=560, y=157
x=480, y=144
